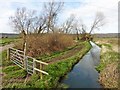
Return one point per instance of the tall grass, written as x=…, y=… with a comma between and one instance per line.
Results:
x=47, y=43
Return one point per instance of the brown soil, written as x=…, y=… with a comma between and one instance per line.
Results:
x=2, y=48
x=67, y=55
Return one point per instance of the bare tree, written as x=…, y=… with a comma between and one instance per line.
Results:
x=98, y=22
x=22, y=20
x=51, y=11
x=39, y=24
x=69, y=24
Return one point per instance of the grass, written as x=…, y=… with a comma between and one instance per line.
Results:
x=59, y=69
x=109, y=63
x=107, y=58
x=5, y=41
x=55, y=70
x=55, y=54
x=4, y=60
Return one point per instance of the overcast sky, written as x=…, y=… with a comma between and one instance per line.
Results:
x=84, y=9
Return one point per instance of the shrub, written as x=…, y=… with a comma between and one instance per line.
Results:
x=38, y=44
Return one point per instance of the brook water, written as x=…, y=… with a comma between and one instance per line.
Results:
x=84, y=74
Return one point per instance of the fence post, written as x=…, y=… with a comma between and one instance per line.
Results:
x=25, y=64
x=41, y=72
x=8, y=54
x=34, y=66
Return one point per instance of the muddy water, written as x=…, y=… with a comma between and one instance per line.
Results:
x=84, y=74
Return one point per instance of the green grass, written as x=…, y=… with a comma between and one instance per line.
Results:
x=16, y=74
x=55, y=54
x=10, y=69
x=107, y=58
x=55, y=70
x=3, y=59
x=5, y=41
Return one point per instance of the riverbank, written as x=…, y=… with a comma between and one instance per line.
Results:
x=14, y=77
x=108, y=67
x=84, y=74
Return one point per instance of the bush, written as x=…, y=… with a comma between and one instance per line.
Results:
x=38, y=44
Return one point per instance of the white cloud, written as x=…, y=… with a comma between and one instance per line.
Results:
x=86, y=11
x=90, y=7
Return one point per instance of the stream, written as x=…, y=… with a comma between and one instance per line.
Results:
x=84, y=74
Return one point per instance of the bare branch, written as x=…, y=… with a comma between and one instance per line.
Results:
x=98, y=22
x=51, y=11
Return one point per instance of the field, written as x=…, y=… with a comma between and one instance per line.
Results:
x=109, y=64
x=60, y=63
x=5, y=41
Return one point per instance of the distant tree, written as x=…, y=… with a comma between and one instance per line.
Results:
x=22, y=20
x=51, y=11
x=69, y=24
x=98, y=22
x=40, y=24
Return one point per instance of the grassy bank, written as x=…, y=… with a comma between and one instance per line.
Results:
x=5, y=41
x=20, y=79
x=108, y=67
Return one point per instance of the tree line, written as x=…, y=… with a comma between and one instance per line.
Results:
x=46, y=21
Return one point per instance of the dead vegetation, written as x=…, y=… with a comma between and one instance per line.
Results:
x=46, y=44
x=109, y=64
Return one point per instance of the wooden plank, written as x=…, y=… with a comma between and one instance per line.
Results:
x=29, y=73
x=25, y=59
x=37, y=60
x=17, y=53
x=30, y=62
x=34, y=65
x=17, y=50
x=12, y=57
x=18, y=61
x=29, y=66
x=8, y=54
x=41, y=62
x=30, y=70
x=17, y=64
x=18, y=58
x=41, y=71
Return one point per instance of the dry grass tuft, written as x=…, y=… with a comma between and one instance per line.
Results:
x=47, y=43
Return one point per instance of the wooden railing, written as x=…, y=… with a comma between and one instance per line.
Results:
x=31, y=64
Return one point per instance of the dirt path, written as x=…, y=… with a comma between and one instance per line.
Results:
x=2, y=48
x=67, y=55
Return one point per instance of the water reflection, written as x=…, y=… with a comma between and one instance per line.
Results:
x=84, y=74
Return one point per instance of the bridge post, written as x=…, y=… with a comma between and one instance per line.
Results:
x=8, y=54
x=34, y=66
x=25, y=61
x=41, y=72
